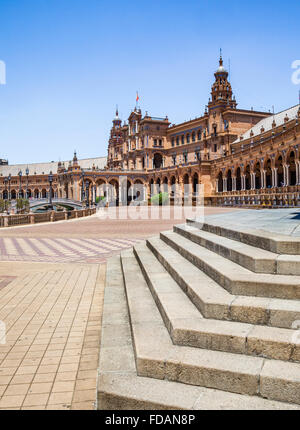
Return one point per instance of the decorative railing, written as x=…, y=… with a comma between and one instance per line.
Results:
x=51, y=216
x=270, y=197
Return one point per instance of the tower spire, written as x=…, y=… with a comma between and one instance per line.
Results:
x=221, y=58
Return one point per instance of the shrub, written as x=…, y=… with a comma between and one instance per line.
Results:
x=160, y=199
x=99, y=199
x=4, y=205
x=22, y=204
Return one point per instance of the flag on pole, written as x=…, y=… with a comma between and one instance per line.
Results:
x=137, y=97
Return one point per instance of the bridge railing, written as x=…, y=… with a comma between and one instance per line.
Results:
x=51, y=216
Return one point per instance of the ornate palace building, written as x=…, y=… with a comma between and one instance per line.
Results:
x=241, y=157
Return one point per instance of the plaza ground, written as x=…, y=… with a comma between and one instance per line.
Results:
x=51, y=294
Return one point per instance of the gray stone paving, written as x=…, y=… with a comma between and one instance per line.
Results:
x=283, y=221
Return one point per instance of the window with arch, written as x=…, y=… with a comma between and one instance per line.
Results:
x=177, y=140
x=188, y=138
x=173, y=141
x=182, y=140
x=193, y=136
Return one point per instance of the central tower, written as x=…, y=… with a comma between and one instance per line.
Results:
x=221, y=91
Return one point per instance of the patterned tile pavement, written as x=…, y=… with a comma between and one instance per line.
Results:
x=61, y=250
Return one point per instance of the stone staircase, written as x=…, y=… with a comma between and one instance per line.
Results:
x=202, y=317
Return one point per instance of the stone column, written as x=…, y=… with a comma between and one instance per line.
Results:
x=265, y=178
x=224, y=185
x=233, y=183
x=253, y=181
x=297, y=172
x=287, y=175
x=243, y=182
x=262, y=179
x=275, y=177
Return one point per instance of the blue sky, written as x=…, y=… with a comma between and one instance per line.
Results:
x=69, y=62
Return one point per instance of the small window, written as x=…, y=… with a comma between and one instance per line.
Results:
x=182, y=140
x=160, y=142
x=173, y=141
x=155, y=142
x=193, y=137
x=187, y=138
x=177, y=141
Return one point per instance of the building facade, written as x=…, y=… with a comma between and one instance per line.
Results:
x=241, y=157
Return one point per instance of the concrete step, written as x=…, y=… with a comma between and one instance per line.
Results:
x=215, y=302
x=231, y=276
x=255, y=259
x=119, y=386
x=251, y=257
x=157, y=357
x=187, y=326
x=131, y=392
x=273, y=242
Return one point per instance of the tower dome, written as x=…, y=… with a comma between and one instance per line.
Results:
x=221, y=71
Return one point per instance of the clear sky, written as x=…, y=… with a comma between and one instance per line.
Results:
x=69, y=62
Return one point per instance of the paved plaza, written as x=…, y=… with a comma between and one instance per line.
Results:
x=51, y=293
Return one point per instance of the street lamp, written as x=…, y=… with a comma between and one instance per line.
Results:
x=20, y=188
x=27, y=174
x=87, y=192
x=82, y=187
x=5, y=183
x=95, y=190
x=50, y=179
x=9, y=179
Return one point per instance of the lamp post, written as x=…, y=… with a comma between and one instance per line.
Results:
x=82, y=187
x=87, y=193
x=95, y=191
x=20, y=187
x=9, y=179
x=5, y=183
x=27, y=174
x=50, y=179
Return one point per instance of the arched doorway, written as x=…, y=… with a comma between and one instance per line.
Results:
x=229, y=180
x=113, y=192
x=13, y=195
x=5, y=195
x=138, y=192
x=44, y=193
x=268, y=169
x=220, y=182
x=292, y=168
x=36, y=194
x=165, y=185
x=195, y=183
x=248, y=178
x=173, y=186
x=186, y=187
x=257, y=176
x=280, y=175
x=238, y=179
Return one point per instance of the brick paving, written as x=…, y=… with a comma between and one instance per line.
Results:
x=51, y=293
x=53, y=321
